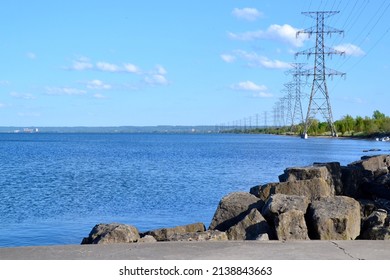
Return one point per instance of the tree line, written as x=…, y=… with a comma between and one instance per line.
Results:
x=378, y=124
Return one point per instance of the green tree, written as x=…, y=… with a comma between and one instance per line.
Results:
x=378, y=115
x=359, y=124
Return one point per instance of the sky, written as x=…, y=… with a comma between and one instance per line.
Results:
x=172, y=62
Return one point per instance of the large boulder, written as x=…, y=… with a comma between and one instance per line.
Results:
x=291, y=225
x=282, y=203
x=253, y=226
x=334, y=218
x=377, y=165
x=312, y=189
x=112, y=233
x=165, y=234
x=334, y=177
x=304, y=173
x=376, y=219
x=233, y=208
x=287, y=214
x=376, y=226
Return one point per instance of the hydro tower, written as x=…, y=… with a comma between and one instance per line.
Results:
x=319, y=97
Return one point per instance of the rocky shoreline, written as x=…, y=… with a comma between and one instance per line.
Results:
x=324, y=201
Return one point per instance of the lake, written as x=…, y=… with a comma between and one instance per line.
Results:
x=55, y=187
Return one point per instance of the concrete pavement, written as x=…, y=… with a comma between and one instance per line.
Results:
x=231, y=250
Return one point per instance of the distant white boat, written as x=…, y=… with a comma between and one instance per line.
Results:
x=383, y=139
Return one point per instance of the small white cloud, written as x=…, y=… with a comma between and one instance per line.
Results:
x=107, y=67
x=350, y=49
x=97, y=84
x=228, y=58
x=2, y=105
x=19, y=95
x=160, y=70
x=250, y=14
x=4, y=83
x=81, y=64
x=255, y=60
x=64, y=91
x=281, y=33
x=257, y=90
x=248, y=85
x=156, y=79
x=131, y=68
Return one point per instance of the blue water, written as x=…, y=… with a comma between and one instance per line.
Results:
x=55, y=187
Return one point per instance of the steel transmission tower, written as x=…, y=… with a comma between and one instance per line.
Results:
x=319, y=96
x=297, y=72
x=289, y=98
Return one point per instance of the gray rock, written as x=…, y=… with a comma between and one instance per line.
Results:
x=249, y=228
x=233, y=208
x=376, y=219
x=147, y=239
x=281, y=203
x=312, y=189
x=287, y=214
x=334, y=170
x=304, y=173
x=334, y=218
x=165, y=234
x=209, y=235
x=378, y=165
x=112, y=233
x=291, y=225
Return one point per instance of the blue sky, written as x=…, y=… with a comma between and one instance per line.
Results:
x=111, y=63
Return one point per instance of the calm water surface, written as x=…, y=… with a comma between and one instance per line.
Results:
x=55, y=187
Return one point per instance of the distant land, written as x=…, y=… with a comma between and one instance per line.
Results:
x=111, y=129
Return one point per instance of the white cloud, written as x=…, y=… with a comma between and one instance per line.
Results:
x=282, y=33
x=64, y=91
x=248, y=86
x=256, y=60
x=81, y=64
x=160, y=70
x=131, y=68
x=27, y=96
x=2, y=105
x=228, y=58
x=156, y=79
x=97, y=84
x=257, y=90
x=350, y=49
x=4, y=83
x=107, y=67
x=250, y=14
